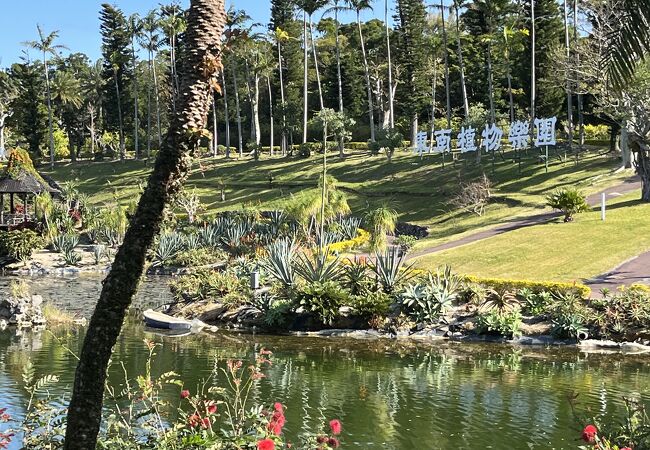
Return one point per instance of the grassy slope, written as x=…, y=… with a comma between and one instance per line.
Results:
x=418, y=189
x=557, y=251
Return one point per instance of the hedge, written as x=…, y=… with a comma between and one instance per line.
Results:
x=553, y=287
x=363, y=237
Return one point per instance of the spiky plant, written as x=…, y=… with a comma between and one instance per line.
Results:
x=279, y=263
x=391, y=269
x=380, y=222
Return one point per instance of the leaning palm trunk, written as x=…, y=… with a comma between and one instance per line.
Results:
x=206, y=21
x=371, y=109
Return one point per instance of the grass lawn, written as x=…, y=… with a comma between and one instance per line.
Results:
x=556, y=251
x=419, y=189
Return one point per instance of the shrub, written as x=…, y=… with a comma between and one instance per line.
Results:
x=371, y=304
x=99, y=253
x=19, y=244
x=554, y=288
x=406, y=242
x=534, y=303
x=65, y=243
x=500, y=300
x=211, y=285
x=506, y=324
x=323, y=299
x=568, y=200
x=278, y=315
x=355, y=276
x=198, y=257
x=473, y=196
x=361, y=240
x=427, y=301
x=569, y=316
x=625, y=311
x=410, y=229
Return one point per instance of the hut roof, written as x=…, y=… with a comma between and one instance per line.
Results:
x=24, y=182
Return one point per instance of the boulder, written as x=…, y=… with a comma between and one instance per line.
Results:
x=24, y=312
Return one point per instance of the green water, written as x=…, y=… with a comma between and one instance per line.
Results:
x=389, y=395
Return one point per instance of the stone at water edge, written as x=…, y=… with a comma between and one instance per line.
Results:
x=24, y=312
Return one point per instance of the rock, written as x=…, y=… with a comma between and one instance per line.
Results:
x=212, y=312
x=345, y=311
x=24, y=312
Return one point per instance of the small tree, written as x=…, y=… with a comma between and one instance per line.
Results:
x=568, y=200
x=380, y=222
x=473, y=196
x=389, y=140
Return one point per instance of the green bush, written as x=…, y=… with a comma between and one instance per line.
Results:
x=19, y=244
x=323, y=299
x=627, y=310
x=506, y=324
x=428, y=300
x=198, y=257
x=568, y=200
x=372, y=304
x=405, y=242
x=212, y=285
x=555, y=288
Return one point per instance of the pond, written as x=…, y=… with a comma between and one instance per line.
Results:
x=389, y=395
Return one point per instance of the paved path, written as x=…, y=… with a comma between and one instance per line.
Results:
x=634, y=271
x=629, y=185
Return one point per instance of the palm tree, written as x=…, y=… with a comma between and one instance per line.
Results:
x=150, y=41
x=206, y=21
x=47, y=47
x=569, y=93
x=115, y=64
x=237, y=35
x=281, y=36
x=66, y=91
x=461, y=65
x=358, y=6
x=93, y=91
x=629, y=42
x=309, y=7
x=391, y=104
x=173, y=24
x=224, y=88
x=336, y=9
x=135, y=27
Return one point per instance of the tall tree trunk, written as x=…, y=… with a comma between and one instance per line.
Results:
x=49, y=110
x=569, y=93
x=215, y=131
x=581, y=118
x=240, y=138
x=305, y=81
x=366, y=69
x=271, y=118
x=119, y=117
x=3, y=118
x=282, y=101
x=157, y=92
x=338, y=71
x=206, y=21
x=461, y=66
x=511, y=100
x=391, y=106
x=626, y=155
x=136, y=118
x=433, y=103
x=149, y=109
x=91, y=112
x=533, y=93
x=446, y=54
x=225, y=110
x=318, y=82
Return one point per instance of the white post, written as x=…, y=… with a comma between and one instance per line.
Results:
x=603, y=212
x=546, y=161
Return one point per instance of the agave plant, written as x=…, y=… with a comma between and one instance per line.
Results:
x=391, y=270
x=210, y=236
x=429, y=300
x=501, y=300
x=111, y=236
x=233, y=236
x=349, y=227
x=276, y=220
x=168, y=247
x=99, y=253
x=65, y=242
x=279, y=263
x=319, y=268
x=71, y=258
x=355, y=276
x=192, y=241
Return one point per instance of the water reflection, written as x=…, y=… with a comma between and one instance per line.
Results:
x=389, y=395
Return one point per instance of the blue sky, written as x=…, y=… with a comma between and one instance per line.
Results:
x=78, y=23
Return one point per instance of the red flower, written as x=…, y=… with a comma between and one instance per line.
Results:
x=205, y=423
x=211, y=407
x=194, y=420
x=185, y=393
x=266, y=444
x=335, y=426
x=278, y=407
x=589, y=434
x=626, y=448
x=322, y=439
x=333, y=442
